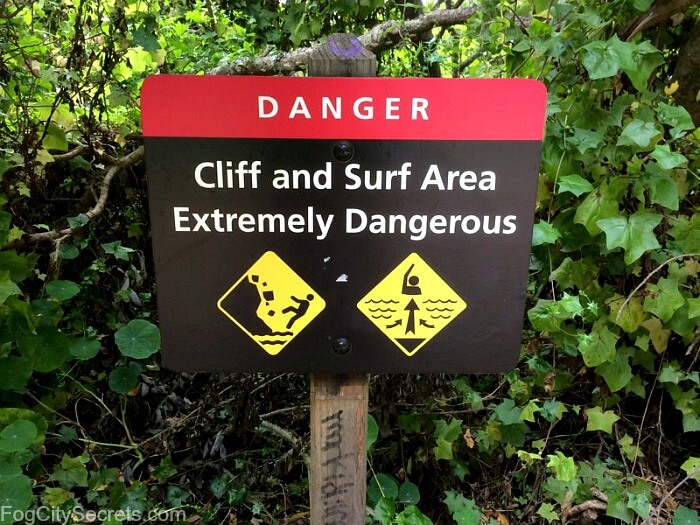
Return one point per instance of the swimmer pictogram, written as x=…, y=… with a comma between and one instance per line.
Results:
x=271, y=303
x=411, y=304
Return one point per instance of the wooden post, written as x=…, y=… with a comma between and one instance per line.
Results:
x=338, y=475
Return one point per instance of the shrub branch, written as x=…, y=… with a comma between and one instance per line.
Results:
x=118, y=166
x=378, y=39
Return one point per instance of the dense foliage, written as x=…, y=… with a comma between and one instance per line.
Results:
x=599, y=421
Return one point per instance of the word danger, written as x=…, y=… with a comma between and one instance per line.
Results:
x=362, y=108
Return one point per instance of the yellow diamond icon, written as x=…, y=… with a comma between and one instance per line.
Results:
x=411, y=305
x=271, y=303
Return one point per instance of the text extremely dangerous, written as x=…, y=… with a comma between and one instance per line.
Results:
x=249, y=175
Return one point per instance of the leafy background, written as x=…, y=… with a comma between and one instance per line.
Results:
x=598, y=424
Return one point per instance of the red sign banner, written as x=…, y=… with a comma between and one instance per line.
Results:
x=354, y=108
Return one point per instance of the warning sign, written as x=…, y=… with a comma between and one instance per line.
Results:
x=271, y=303
x=411, y=304
x=337, y=176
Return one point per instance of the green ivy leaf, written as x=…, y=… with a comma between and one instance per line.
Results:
x=544, y=233
x=456, y=501
x=641, y=61
x=546, y=510
x=385, y=511
x=412, y=516
x=55, y=138
x=62, y=290
x=574, y=184
x=693, y=307
x=115, y=248
x=659, y=336
x=580, y=274
x=563, y=466
x=7, y=287
x=124, y=379
x=601, y=60
x=553, y=410
x=666, y=158
x=449, y=431
x=617, y=373
x=597, y=205
x=639, y=503
x=663, y=189
x=17, y=265
x=443, y=450
x=676, y=117
x=585, y=140
x=529, y=411
x=78, y=221
x=686, y=232
x=138, y=339
x=639, y=133
x=56, y=496
x=598, y=347
x=175, y=497
x=166, y=469
x=600, y=420
x=629, y=448
x=635, y=234
x=691, y=467
x=71, y=472
x=664, y=298
x=468, y=515
x=5, y=223
x=618, y=509
x=17, y=436
x=631, y=317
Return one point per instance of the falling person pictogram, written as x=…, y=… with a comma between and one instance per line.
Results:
x=271, y=303
x=299, y=311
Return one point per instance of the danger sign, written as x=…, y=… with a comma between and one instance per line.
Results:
x=341, y=225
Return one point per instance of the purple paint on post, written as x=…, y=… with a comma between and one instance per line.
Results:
x=355, y=49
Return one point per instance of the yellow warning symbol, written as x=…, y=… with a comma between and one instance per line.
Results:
x=271, y=303
x=411, y=304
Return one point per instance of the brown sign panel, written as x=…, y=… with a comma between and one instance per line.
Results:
x=341, y=225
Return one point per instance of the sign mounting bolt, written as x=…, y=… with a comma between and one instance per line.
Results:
x=341, y=346
x=343, y=151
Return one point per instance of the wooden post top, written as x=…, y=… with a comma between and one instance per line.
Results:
x=342, y=56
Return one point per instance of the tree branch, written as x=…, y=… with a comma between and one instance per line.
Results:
x=593, y=505
x=378, y=39
x=658, y=13
x=70, y=155
x=119, y=165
